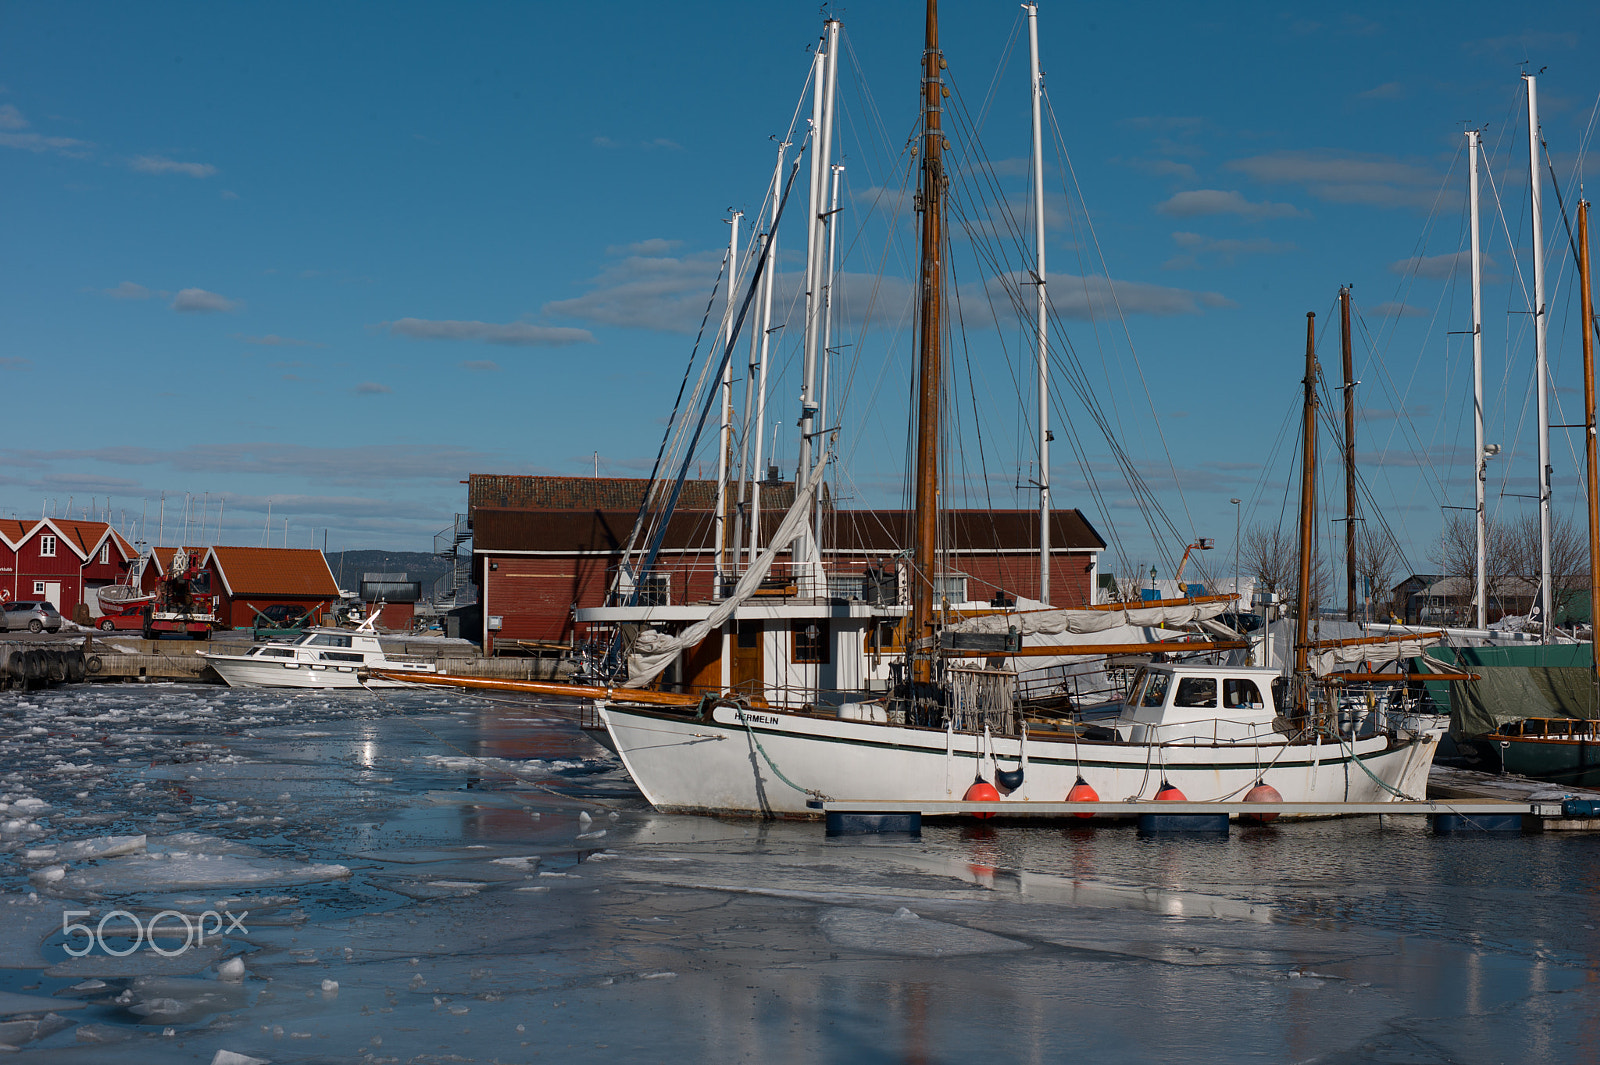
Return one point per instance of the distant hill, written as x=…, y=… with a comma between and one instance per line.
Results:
x=417, y=565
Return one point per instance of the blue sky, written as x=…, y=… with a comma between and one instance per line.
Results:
x=338, y=257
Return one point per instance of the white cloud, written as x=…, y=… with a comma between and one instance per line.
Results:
x=199, y=301
x=35, y=142
x=156, y=164
x=653, y=246
x=1442, y=266
x=646, y=292
x=1389, y=90
x=372, y=388
x=273, y=340
x=516, y=334
x=1346, y=177
x=129, y=291
x=1195, y=202
x=1393, y=309
x=11, y=118
x=1224, y=250
x=1086, y=298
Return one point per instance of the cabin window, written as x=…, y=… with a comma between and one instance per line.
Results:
x=276, y=652
x=1198, y=692
x=811, y=641
x=884, y=638
x=342, y=656
x=329, y=639
x=655, y=589
x=47, y=546
x=1152, y=691
x=749, y=633
x=1241, y=694
x=105, y=554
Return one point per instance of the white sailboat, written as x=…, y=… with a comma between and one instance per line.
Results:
x=903, y=719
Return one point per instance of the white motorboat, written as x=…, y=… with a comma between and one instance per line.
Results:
x=321, y=657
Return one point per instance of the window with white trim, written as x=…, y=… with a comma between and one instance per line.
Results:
x=105, y=554
x=38, y=587
x=47, y=546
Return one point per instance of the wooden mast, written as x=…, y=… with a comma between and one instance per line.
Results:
x=1308, y=501
x=1349, y=458
x=1586, y=302
x=930, y=203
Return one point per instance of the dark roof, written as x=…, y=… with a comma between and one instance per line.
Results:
x=593, y=493
x=876, y=532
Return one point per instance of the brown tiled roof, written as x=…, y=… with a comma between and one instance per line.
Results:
x=84, y=535
x=593, y=493
x=276, y=571
x=881, y=532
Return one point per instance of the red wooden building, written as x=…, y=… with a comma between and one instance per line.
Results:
x=254, y=578
x=61, y=561
x=543, y=546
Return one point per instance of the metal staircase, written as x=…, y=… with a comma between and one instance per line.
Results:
x=447, y=546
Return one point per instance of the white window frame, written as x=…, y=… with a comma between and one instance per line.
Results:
x=38, y=587
x=105, y=554
x=47, y=546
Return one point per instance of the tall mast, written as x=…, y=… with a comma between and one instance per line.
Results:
x=719, y=523
x=1039, y=307
x=1586, y=302
x=1541, y=372
x=1480, y=463
x=1308, y=496
x=1349, y=457
x=821, y=156
x=757, y=471
x=741, y=496
x=930, y=202
x=837, y=173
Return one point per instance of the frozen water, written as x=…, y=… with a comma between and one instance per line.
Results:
x=475, y=915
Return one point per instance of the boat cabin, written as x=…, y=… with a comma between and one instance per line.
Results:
x=339, y=650
x=1199, y=704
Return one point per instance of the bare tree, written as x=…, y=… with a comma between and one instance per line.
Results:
x=1569, y=555
x=1272, y=557
x=1375, y=561
x=1457, y=556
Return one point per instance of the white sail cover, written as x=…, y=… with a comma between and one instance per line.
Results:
x=654, y=651
x=1060, y=622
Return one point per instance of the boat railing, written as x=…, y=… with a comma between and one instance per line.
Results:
x=1562, y=728
x=411, y=660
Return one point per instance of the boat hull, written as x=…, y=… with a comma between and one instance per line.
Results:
x=242, y=672
x=771, y=764
x=1559, y=761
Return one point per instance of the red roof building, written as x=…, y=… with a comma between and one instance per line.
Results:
x=61, y=561
x=534, y=564
x=254, y=578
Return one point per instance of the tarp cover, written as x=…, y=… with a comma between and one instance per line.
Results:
x=1519, y=682
x=1059, y=622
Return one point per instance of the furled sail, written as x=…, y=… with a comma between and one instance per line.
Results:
x=1057, y=622
x=654, y=651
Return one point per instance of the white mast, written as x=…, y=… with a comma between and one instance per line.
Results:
x=821, y=156
x=756, y=471
x=1480, y=469
x=1039, y=306
x=719, y=522
x=1541, y=372
x=827, y=321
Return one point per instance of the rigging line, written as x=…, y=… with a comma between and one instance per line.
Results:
x=1572, y=240
x=694, y=356
x=1122, y=318
x=1402, y=422
x=711, y=395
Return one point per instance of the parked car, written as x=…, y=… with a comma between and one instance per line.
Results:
x=132, y=617
x=33, y=616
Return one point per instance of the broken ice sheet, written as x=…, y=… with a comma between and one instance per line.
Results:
x=181, y=870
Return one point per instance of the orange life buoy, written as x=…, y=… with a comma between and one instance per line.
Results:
x=4, y=595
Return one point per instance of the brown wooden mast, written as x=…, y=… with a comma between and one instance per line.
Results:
x=1308, y=493
x=1349, y=458
x=1586, y=302
x=930, y=203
